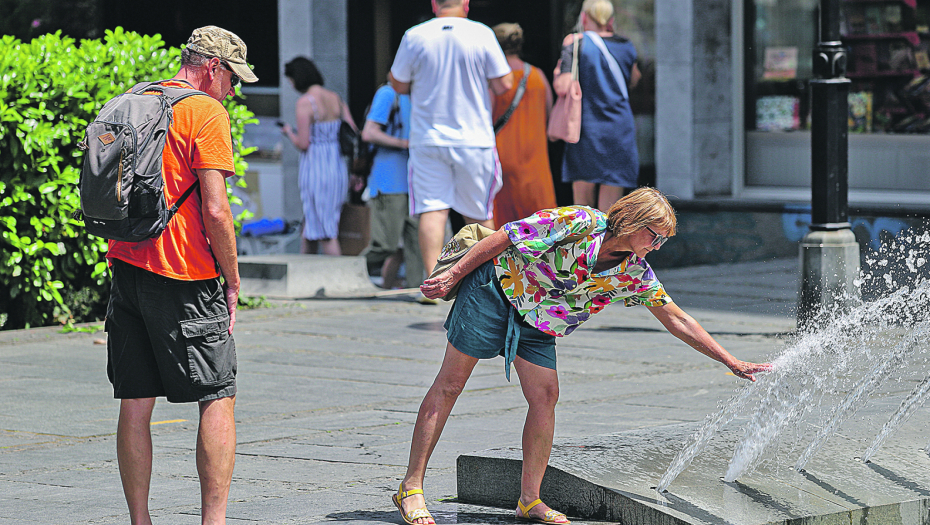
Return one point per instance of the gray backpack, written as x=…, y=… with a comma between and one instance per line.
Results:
x=122, y=186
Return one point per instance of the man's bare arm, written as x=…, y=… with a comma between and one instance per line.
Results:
x=218, y=221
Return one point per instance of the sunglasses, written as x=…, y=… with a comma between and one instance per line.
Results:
x=658, y=240
x=234, y=78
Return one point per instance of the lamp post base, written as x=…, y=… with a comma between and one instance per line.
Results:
x=829, y=268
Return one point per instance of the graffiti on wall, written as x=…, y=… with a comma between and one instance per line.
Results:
x=797, y=219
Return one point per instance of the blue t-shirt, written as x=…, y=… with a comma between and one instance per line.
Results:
x=389, y=170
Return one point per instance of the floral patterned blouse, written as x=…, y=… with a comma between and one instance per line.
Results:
x=551, y=282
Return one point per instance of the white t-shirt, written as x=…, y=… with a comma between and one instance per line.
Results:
x=448, y=62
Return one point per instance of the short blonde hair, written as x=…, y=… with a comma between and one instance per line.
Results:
x=510, y=37
x=599, y=11
x=640, y=208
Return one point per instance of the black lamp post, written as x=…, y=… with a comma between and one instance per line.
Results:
x=829, y=128
x=829, y=252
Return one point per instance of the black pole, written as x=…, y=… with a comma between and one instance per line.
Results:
x=829, y=128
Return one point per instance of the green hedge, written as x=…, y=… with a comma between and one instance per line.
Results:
x=50, y=89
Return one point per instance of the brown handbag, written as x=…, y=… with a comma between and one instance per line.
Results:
x=565, y=118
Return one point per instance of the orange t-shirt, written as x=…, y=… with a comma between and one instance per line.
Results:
x=199, y=138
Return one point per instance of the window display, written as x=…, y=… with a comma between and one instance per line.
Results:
x=888, y=46
x=887, y=42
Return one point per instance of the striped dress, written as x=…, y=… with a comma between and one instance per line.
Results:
x=323, y=179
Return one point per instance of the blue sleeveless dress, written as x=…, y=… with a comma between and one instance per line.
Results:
x=606, y=152
x=323, y=179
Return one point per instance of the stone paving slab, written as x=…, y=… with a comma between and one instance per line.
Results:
x=329, y=391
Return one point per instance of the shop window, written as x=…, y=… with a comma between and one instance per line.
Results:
x=888, y=46
x=888, y=43
x=783, y=34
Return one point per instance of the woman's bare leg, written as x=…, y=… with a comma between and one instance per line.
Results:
x=584, y=193
x=608, y=195
x=541, y=389
x=331, y=247
x=434, y=411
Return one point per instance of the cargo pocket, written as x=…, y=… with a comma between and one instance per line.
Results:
x=211, y=352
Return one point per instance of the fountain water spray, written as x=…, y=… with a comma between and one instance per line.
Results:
x=911, y=403
x=860, y=394
x=826, y=375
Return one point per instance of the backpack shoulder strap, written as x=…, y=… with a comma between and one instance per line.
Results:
x=174, y=94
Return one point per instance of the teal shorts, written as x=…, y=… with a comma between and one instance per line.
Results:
x=482, y=323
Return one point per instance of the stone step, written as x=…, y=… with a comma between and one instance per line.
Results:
x=298, y=276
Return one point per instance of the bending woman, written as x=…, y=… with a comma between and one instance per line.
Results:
x=532, y=281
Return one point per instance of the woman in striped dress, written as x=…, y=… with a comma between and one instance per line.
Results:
x=323, y=177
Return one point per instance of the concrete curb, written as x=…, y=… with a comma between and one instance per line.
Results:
x=294, y=276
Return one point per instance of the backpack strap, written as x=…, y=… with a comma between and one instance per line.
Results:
x=395, y=111
x=172, y=93
x=184, y=196
x=580, y=235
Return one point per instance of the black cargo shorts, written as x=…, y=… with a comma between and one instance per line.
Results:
x=167, y=337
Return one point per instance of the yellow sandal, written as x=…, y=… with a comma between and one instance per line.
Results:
x=551, y=516
x=416, y=514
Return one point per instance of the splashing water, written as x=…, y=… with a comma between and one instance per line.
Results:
x=911, y=403
x=702, y=437
x=825, y=376
x=860, y=394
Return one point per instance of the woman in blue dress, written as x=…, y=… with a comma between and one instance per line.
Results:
x=323, y=177
x=604, y=164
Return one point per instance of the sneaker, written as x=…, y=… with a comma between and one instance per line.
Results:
x=422, y=299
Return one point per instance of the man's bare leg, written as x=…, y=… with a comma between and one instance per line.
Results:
x=432, y=233
x=134, y=454
x=216, y=456
x=489, y=223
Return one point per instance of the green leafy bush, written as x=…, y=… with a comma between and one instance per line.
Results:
x=51, y=271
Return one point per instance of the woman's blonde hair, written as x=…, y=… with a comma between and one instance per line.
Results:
x=599, y=11
x=642, y=207
x=510, y=37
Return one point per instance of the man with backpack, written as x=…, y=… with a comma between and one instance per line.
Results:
x=170, y=317
x=387, y=127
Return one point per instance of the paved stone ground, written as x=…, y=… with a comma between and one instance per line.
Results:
x=328, y=394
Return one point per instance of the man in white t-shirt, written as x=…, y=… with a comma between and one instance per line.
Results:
x=446, y=65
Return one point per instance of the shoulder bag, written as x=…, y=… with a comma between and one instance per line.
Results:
x=611, y=63
x=469, y=236
x=565, y=118
x=516, y=99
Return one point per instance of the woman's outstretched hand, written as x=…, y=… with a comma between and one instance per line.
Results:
x=746, y=370
x=437, y=287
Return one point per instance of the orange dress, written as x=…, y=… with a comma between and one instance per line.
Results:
x=523, y=150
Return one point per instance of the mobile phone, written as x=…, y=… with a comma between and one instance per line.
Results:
x=279, y=123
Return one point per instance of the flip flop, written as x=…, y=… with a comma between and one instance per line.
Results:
x=551, y=516
x=415, y=514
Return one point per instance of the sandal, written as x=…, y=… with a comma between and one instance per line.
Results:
x=551, y=516
x=416, y=514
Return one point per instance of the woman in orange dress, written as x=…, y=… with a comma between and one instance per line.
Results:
x=521, y=144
